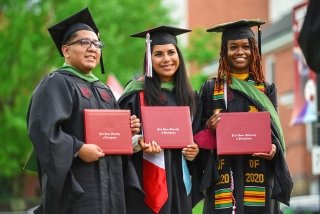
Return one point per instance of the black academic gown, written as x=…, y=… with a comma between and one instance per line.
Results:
x=278, y=181
x=178, y=201
x=309, y=36
x=55, y=126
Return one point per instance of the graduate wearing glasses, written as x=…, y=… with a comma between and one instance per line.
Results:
x=74, y=177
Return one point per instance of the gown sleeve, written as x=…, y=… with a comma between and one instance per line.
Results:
x=205, y=163
x=132, y=169
x=271, y=92
x=196, y=122
x=283, y=183
x=207, y=104
x=51, y=104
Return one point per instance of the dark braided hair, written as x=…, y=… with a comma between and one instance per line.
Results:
x=255, y=64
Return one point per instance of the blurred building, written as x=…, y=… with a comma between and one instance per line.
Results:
x=279, y=67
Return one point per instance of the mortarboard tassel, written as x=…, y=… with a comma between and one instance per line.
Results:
x=259, y=39
x=148, y=56
x=101, y=64
x=101, y=60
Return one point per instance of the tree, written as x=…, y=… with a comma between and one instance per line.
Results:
x=28, y=53
x=203, y=49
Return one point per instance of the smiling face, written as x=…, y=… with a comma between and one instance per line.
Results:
x=239, y=55
x=83, y=59
x=165, y=61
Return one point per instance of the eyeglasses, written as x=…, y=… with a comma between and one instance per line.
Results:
x=86, y=43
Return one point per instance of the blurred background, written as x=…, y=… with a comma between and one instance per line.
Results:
x=27, y=53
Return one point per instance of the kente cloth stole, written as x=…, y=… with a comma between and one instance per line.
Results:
x=253, y=177
x=254, y=191
x=220, y=95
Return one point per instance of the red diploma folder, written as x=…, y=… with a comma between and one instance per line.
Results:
x=169, y=126
x=109, y=129
x=244, y=133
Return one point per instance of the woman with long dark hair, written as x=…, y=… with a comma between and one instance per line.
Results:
x=164, y=83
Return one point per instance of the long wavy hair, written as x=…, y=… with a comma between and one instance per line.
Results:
x=182, y=88
x=255, y=64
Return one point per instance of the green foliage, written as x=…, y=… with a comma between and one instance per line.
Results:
x=24, y=42
x=197, y=80
x=203, y=47
x=202, y=50
x=27, y=53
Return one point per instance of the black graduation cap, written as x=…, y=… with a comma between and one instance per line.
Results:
x=62, y=31
x=239, y=30
x=310, y=34
x=160, y=35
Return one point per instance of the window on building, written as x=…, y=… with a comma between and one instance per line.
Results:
x=270, y=69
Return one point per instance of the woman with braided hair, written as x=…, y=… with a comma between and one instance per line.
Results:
x=240, y=63
x=255, y=67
